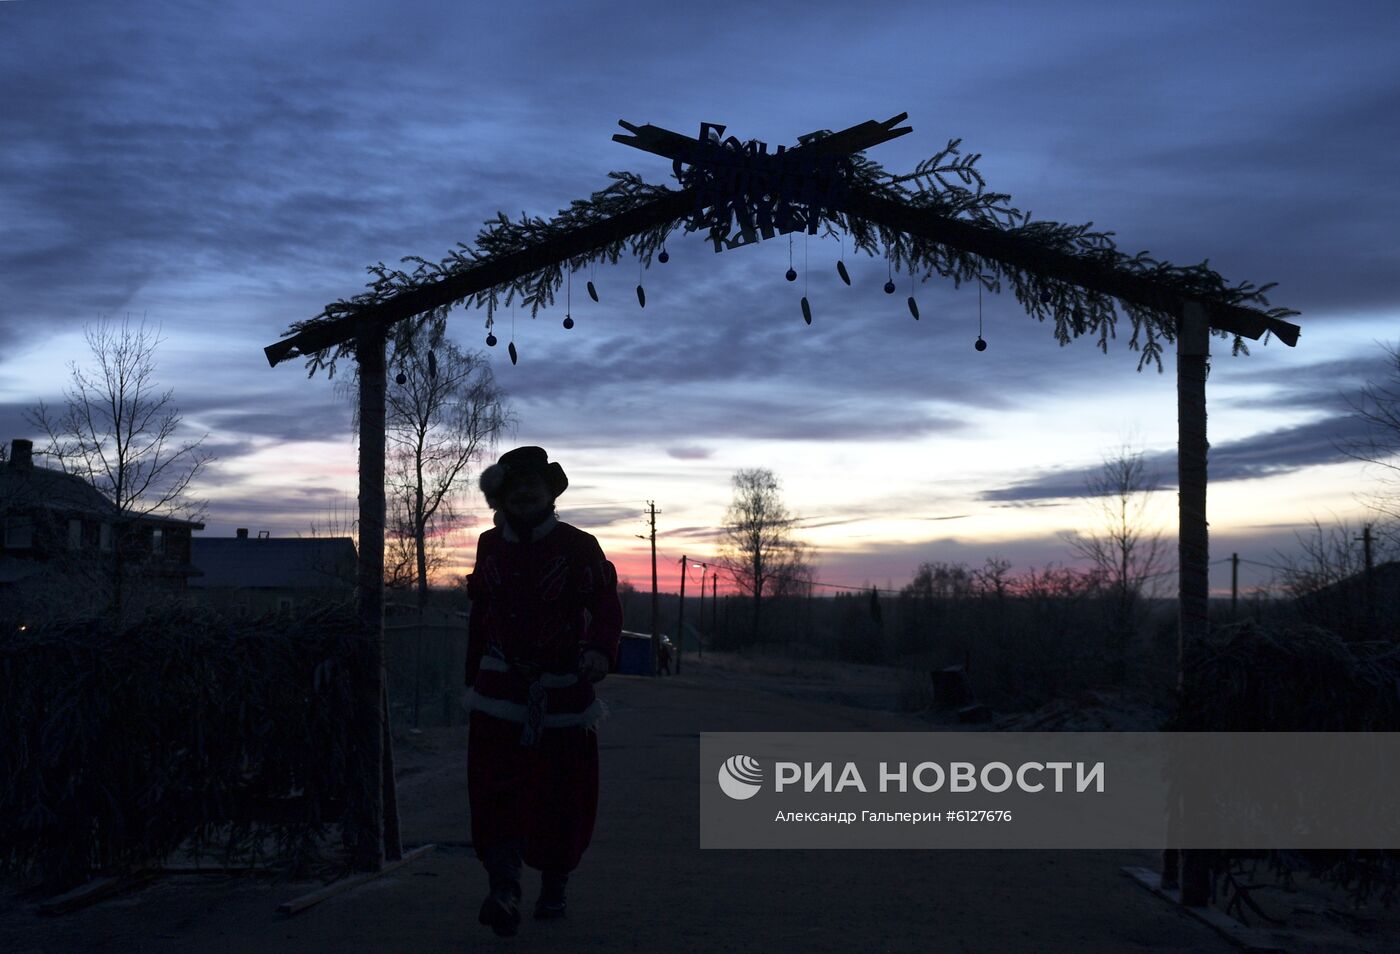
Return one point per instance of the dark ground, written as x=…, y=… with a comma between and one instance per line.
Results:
x=645, y=885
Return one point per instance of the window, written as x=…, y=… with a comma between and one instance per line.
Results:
x=157, y=540
x=75, y=534
x=284, y=606
x=104, y=537
x=19, y=533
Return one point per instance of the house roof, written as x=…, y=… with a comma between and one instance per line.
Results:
x=34, y=487
x=1385, y=577
x=315, y=563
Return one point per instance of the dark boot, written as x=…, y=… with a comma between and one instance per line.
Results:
x=551, y=903
x=501, y=908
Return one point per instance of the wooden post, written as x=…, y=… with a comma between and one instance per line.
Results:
x=369, y=774
x=680, y=615
x=1193, y=543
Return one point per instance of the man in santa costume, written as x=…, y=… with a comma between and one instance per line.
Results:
x=545, y=626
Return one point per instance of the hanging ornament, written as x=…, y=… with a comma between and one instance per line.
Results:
x=511, y=349
x=664, y=257
x=592, y=292
x=841, y=263
x=400, y=378
x=568, y=303
x=806, y=307
x=1046, y=297
x=889, y=268
x=791, y=272
x=432, y=366
x=913, y=305
x=490, y=340
x=641, y=296
x=980, y=345
x=889, y=288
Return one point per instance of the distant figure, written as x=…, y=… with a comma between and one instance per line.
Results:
x=664, y=655
x=532, y=659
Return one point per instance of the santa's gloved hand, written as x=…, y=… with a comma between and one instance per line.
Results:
x=592, y=665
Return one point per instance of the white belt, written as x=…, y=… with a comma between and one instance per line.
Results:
x=550, y=680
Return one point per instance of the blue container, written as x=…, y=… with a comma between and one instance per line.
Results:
x=634, y=655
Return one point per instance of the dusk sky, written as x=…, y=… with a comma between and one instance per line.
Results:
x=226, y=169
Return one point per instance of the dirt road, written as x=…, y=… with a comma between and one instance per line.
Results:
x=645, y=885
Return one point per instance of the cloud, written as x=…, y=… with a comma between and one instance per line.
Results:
x=1263, y=455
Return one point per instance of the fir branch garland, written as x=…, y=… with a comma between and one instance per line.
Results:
x=947, y=184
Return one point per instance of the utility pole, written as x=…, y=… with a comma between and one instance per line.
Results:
x=714, y=605
x=1234, y=584
x=680, y=615
x=655, y=605
x=700, y=628
x=1370, y=582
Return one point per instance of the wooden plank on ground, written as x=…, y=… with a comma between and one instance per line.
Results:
x=93, y=891
x=345, y=884
x=1243, y=937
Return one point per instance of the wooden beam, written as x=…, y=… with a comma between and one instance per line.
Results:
x=93, y=891
x=672, y=145
x=1075, y=269
x=345, y=884
x=490, y=273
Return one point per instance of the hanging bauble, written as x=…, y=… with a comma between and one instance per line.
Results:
x=432, y=366
x=791, y=275
x=490, y=341
x=806, y=311
x=1046, y=297
x=980, y=345
x=592, y=292
x=568, y=322
x=641, y=296
x=889, y=288
x=841, y=270
x=913, y=308
x=400, y=378
x=513, y=356
x=664, y=257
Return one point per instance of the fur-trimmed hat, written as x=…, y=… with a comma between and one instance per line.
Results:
x=496, y=480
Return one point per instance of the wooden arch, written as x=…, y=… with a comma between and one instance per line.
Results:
x=723, y=181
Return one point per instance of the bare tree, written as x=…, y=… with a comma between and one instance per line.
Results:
x=1378, y=407
x=121, y=433
x=1329, y=555
x=439, y=421
x=1127, y=555
x=758, y=548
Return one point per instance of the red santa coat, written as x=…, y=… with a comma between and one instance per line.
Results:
x=536, y=605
